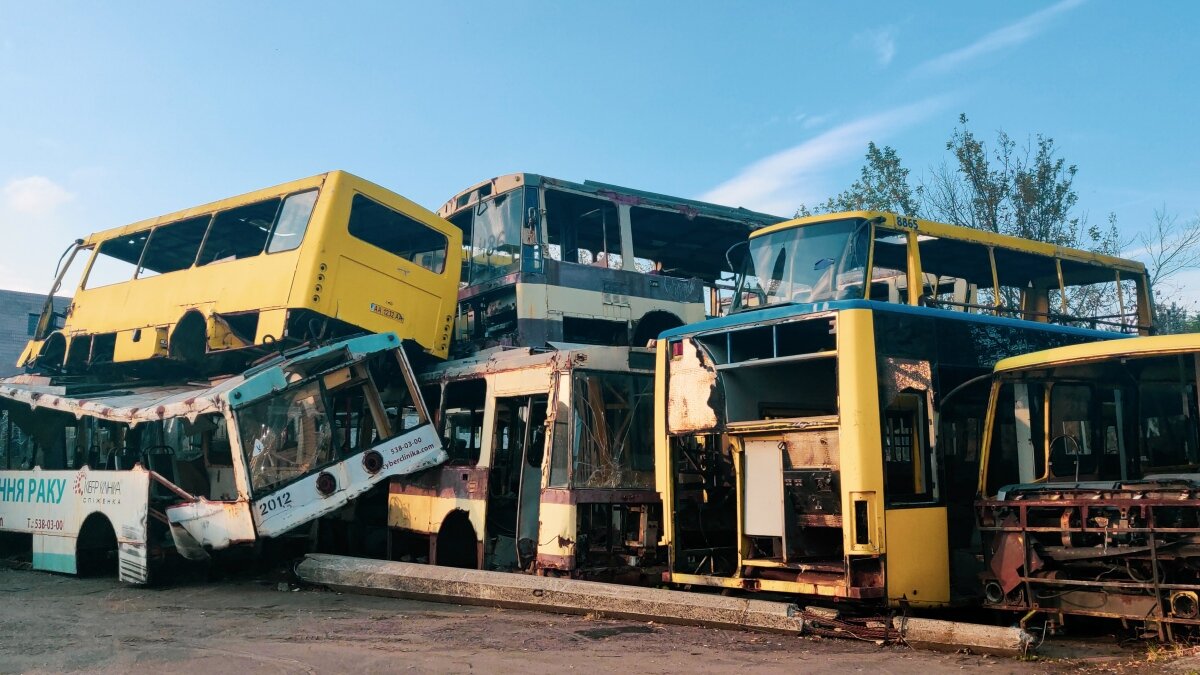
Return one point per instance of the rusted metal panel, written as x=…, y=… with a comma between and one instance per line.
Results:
x=1122, y=549
x=692, y=393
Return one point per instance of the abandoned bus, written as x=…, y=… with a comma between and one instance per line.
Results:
x=116, y=476
x=321, y=257
x=809, y=443
x=1090, y=483
x=550, y=469
x=547, y=260
x=882, y=256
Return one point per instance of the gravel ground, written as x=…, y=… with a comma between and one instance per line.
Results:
x=51, y=623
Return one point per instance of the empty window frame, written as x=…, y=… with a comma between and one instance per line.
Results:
x=174, y=246
x=116, y=260
x=239, y=233
x=397, y=233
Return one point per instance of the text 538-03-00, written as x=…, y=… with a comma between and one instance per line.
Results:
x=43, y=524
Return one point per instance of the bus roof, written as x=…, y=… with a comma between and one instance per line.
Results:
x=136, y=404
x=618, y=193
x=231, y=202
x=946, y=231
x=784, y=311
x=1134, y=347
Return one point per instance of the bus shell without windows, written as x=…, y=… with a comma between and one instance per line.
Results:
x=548, y=260
x=314, y=258
x=550, y=469
x=823, y=439
x=1090, y=483
x=920, y=262
x=119, y=476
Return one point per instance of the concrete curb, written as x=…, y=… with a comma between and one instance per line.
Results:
x=520, y=591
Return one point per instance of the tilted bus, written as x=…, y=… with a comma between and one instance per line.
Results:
x=823, y=439
x=548, y=260
x=316, y=258
x=96, y=476
x=1090, y=484
x=550, y=469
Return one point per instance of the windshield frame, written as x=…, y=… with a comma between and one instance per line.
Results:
x=846, y=234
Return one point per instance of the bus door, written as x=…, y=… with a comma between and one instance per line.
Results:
x=918, y=557
x=514, y=490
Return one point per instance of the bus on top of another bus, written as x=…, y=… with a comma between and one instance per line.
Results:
x=872, y=255
x=315, y=258
x=550, y=261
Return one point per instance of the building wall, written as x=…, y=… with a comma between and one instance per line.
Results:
x=16, y=324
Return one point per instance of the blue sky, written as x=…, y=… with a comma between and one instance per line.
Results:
x=114, y=113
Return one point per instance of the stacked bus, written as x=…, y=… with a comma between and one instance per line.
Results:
x=96, y=477
x=1090, y=483
x=822, y=439
x=547, y=414
x=548, y=260
x=218, y=285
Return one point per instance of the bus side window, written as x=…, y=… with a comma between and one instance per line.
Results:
x=174, y=246
x=292, y=222
x=397, y=234
x=116, y=260
x=239, y=233
x=906, y=450
x=462, y=421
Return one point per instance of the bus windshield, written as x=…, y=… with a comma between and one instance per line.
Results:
x=496, y=237
x=613, y=430
x=1108, y=421
x=816, y=263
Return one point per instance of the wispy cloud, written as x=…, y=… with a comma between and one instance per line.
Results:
x=1008, y=36
x=882, y=41
x=34, y=196
x=781, y=182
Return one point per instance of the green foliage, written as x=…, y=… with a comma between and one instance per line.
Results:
x=882, y=186
x=1025, y=191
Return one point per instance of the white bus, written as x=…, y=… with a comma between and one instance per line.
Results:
x=101, y=475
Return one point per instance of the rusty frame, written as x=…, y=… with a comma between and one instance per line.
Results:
x=1076, y=507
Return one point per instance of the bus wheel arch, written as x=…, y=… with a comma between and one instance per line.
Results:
x=652, y=324
x=189, y=338
x=96, y=547
x=53, y=353
x=456, y=543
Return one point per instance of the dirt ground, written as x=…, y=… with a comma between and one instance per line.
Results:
x=51, y=623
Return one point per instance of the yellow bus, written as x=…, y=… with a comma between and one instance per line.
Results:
x=547, y=260
x=1090, y=483
x=311, y=259
x=813, y=441
x=883, y=256
x=551, y=465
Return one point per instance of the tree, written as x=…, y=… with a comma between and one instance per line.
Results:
x=1025, y=191
x=882, y=186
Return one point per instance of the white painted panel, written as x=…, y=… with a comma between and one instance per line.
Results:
x=762, y=497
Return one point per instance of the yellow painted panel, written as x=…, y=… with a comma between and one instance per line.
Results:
x=918, y=556
x=557, y=522
x=859, y=440
x=145, y=347
x=411, y=512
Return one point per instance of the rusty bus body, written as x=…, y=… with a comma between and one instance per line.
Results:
x=123, y=475
x=549, y=260
x=1090, y=485
x=550, y=469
